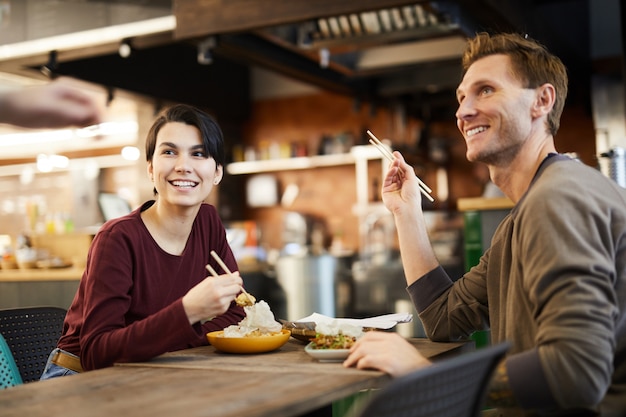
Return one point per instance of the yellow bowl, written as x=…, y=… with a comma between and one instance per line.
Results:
x=256, y=344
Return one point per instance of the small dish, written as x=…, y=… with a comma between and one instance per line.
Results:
x=257, y=344
x=301, y=331
x=327, y=355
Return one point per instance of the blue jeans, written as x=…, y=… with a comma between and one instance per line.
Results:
x=53, y=370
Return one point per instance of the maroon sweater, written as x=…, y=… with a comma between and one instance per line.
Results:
x=129, y=303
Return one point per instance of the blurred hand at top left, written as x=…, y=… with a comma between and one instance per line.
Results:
x=53, y=105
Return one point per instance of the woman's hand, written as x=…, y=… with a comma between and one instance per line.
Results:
x=212, y=297
x=387, y=352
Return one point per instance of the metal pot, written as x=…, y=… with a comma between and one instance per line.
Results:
x=309, y=283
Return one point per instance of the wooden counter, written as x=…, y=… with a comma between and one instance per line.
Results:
x=47, y=286
x=33, y=275
x=39, y=287
x=480, y=203
x=57, y=286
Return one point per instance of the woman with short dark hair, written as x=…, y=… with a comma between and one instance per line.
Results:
x=145, y=289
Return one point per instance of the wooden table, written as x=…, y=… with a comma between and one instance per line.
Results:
x=203, y=382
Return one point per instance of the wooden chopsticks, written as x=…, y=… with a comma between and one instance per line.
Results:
x=212, y=271
x=228, y=271
x=425, y=189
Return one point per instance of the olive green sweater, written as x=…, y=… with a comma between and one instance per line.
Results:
x=553, y=283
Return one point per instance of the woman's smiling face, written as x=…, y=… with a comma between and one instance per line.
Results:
x=182, y=172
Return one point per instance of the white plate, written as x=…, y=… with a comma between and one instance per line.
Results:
x=327, y=355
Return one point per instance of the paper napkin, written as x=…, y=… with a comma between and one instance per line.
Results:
x=386, y=321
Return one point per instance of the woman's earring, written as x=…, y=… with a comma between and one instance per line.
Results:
x=216, y=181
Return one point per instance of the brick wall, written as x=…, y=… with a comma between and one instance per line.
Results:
x=331, y=192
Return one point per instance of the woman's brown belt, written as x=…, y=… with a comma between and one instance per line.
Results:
x=67, y=361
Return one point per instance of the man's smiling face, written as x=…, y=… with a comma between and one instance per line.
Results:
x=494, y=113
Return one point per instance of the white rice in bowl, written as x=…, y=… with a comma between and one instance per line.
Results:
x=259, y=321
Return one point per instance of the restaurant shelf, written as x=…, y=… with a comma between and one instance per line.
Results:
x=365, y=152
x=359, y=156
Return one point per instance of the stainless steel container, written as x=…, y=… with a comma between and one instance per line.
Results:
x=309, y=283
x=614, y=165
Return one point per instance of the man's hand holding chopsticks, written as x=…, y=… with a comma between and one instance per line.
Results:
x=401, y=187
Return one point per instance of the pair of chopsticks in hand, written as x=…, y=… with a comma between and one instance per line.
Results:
x=228, y=271
x=424, y=189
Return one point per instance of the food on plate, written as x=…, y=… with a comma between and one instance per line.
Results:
x=335, y=335
x=339, y=341
x=245, y=299
x=259, y=321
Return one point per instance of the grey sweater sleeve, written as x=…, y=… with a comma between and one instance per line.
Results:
x=526, y=376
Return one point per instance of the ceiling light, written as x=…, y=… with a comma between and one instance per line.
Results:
x=59, y=161
x=46, y=163
x=205, y=55
x=324, y=57
x=53, y=136
x=125, y=49
x=108, y=129
x=130, y=153
x=87, y=38
x=34, y=138
x=51, y=66
x=87, y=164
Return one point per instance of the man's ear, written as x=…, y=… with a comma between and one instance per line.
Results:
x=544, y=100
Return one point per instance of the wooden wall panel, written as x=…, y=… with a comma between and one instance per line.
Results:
x=208, y=17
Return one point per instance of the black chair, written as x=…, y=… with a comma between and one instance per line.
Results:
x=453, y=387
x=31, y=333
